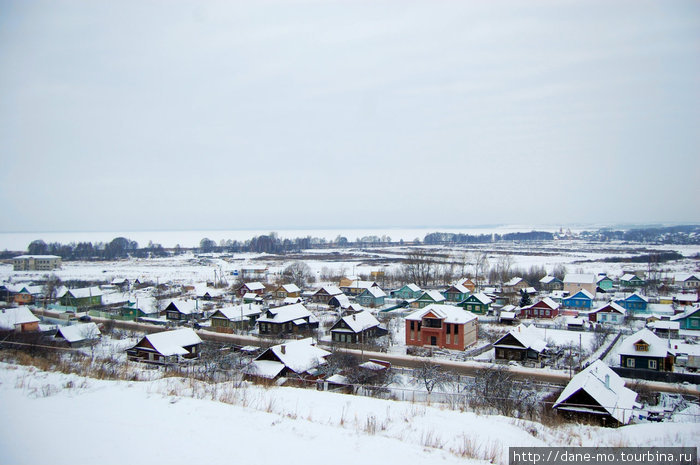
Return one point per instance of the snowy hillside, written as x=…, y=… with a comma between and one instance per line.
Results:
x=70, y=419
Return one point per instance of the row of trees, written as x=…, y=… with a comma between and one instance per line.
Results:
x=119, y=247
x=458, y=238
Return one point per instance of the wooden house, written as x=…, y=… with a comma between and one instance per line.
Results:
x=238, y=317
x=167, y=347
x=251, y=288
x=288, y=319
x=521, y=343
x=408, y=292
x=551, y=283
x=581, y=300
x=629, y=280
x=468, y=283
x=444, y=326
x=182, y=310
x=515, y=285
x=28, y=294
x=597, y=393
x=323, y=295
x=456, y=293
x=545, y=308
x=428, y=298
x=18, y=320
x=478, y=303
x=611, y=313
x=604, y=283
x=689, y=319
x=287, y=290
x=79, y=334
x=371, y=297
x=687, y=281
x=298, y=359
x=357, y=287
x=645, y=350
x=81, y=298
x=634, y=303
x=360, y=327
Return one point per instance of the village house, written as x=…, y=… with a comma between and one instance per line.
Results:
x=551, y=283
x=288, y=319
x=287, y=290
x=18, y=319
x=79, y=334
x=456, y=293
x=254, y=272
x=573, y=282
x=514, y=285
x=604, y=283
x=28, y=294
x=408, y=292
x=355, y=288
x=167, y=347
x=521, y=343
x=597, y=393
x=251, y=288
x=634, y=303
x=468, y=283
x=360, y=327
x=545, y=308
x=371, y=297
x=428, y=298
x=478, y=303
x=298, y=359
x=182, y=310
x=689, y=319
x=238, y=317
x=645, y=350
x=581, y=300
x=444, y=326
x=611, y=313
x=81, y=298
x=324, y=294
x=631, y=281
x=687, y=281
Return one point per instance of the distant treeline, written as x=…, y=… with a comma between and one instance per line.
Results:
x=119, y=247
x=646, y=258
x=685, y=234
x=453, y=238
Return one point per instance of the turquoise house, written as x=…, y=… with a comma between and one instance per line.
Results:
x=372, y=297
x=631, y=280
x=456, y=293
x=582, y=300
x=605, y=283
x=408, y=292
x=689, y=319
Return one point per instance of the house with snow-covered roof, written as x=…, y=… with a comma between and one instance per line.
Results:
x=242, y=317
x=287, y=290
x=686, y=281
x=18, y=319
x=478, y=303
x=604, y=283
x=514, y=285
x=456, y=293
x=78, y=334
x=298, y=359
x=521, y=343
x=551, y=283
x=287, y=319
x=645, y=350
x=597, y=393
x=182, y=310
x=324, y=294
x=611, y=313
x=439, y=325
x=251, y=288
x=689, y=319
x=166, y=347
x=80, y=298
x=408, y=292
x=573, y=282
x=629, y=280
x=581, y=300
x=357, y=327
x=634, y=303
x=371, y=297
x=428, y=298
x=357, y=287
x=545, y=308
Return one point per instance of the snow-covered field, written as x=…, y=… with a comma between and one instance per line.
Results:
x=73, y=420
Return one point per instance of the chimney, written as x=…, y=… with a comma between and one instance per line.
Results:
x=284, y=349
x=353, y=317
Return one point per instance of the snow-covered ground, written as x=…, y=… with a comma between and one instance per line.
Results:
x=70, y=419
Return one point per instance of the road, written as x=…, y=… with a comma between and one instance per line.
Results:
x=468, y=368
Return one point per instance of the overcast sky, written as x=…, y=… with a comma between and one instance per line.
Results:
x=155, y=115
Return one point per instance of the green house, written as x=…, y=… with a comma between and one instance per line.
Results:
x=478, y=303
x=645, y=350
x=428, y=298
x=689, y=319
x=408, y=292
x=605, y=283
x=631, y=280
x=81, y=298
x=456, y=293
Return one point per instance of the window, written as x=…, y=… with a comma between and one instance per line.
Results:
x=652, y=364
x=412, y=326
x=630, y=363
x=448, y=327
x=456, y=330
x=432, y=323
x=641, y=346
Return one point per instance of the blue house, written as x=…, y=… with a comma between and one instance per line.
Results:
x=634, y=303
x=372, y=297
x=581, y=300
x=689, y=319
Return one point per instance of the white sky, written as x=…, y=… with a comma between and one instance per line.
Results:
x=194, y=115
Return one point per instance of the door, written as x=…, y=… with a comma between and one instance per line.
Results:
x=433, y=340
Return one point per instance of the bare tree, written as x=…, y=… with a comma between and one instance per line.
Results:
x=419, y=267
x=480, y=263
x=504, y=264
x=432, y=375
x=298, y=273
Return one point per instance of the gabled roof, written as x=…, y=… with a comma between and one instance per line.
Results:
x=635, y=296
x=580, y=278
x=548, y=302
x=602, y=277
x=459, y=288
x=10, y=317
x=580, y=293
x=374, y=292
x=361, y=284
x=286, y=313
x=330, y=290
x=481, y=297
x=360, y=321
x=173, y=342
x=612, y=306
x=514, y=281
x=686, y=314
x=343, y=300
x=434, y=295
x=449, y=313
x=527, y=336
x=412, y=287
x=186, y=307
x=290, y=288
x=79, y=332
x=629, y=277
x=84, y=292
x=605, y=387
x=657, y=347
x=239, y=312
x=548, y=279
x=682, y=277
x=299, y=356
x=254, y=286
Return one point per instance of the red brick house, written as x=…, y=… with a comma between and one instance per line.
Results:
x=445, y=326
x=545, y=308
